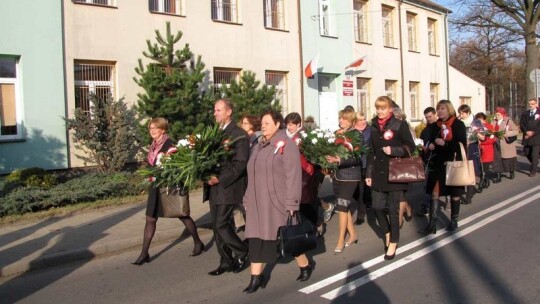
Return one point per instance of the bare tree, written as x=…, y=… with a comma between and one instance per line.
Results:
x=525, y=16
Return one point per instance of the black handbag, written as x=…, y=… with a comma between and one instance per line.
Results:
x=293, y=240
x=510, y=139
x=174, y=202
x=408, y=169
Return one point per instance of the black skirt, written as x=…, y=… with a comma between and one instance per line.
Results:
x=262, y=251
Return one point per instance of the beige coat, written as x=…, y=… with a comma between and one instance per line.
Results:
x=510, y=128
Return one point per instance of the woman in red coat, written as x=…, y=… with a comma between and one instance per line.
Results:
x=487, y=142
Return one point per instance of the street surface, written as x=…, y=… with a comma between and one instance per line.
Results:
x=491, y=258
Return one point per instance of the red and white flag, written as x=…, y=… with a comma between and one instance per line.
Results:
x=312, y=66
x=356, y=63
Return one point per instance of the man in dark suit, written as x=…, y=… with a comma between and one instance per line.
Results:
x=226, y=191
x=529, y=123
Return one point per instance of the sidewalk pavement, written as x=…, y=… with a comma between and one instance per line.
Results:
x=86, y=235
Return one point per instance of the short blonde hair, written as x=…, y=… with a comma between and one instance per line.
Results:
x=384, y=99
x=449, y=106
x=160, y=123
x=348, y=115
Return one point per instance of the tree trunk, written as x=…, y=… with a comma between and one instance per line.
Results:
x=531, y=51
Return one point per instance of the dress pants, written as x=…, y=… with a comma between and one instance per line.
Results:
x=389, y=223
x=532, y=156
x=230, y=247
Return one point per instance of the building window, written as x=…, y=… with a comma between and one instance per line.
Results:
x=390, y=89
x=224, y=76
x=432, y=36
x=465, y=100
x=362, y=94
x=93, y=78
x=415, y=100
x=279, y=81
x=411, y=31
x=274, y=14
x=10, y=104
x=325, y=22
x=388, y=26
x=174, y=7
x=99, y=2
x=225, y=10
x=433, y=94
x=360, y=20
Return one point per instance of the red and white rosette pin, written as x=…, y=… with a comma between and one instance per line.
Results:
x=536, y=116
x=279, y=147
x=388, y=135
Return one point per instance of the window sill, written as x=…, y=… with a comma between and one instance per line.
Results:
x=276, y=29
x=7, y=139
x=226, y=22
x=94, y=4
x=329, y=36
x=390, y=47
x=434, y=55
x=166, y=14
x=363, y=42
x=413, y=51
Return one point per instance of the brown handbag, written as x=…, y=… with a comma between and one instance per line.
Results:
x=174, y=202
x=460, y=172
x=408, y=169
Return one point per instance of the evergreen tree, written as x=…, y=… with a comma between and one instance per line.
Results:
x=107, y=134
x=248, y=98
x=172, y=84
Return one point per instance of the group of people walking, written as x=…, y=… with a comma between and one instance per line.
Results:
x=267, y=179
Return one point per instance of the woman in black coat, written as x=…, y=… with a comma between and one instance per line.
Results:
x=446, y=134
x=389, y=136
x=159, y=147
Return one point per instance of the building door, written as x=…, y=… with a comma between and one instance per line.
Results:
x=328, y=107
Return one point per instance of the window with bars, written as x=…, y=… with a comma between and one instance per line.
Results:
x=362, y=94
x=432, y=36
x=175, y=7
x=387, y=24
x=274, y=14
x=325, y=23
x=390, y=89
x=279, y=81
x=10, y=104
x=415, y=100
x=360, y=20
x=433, y=93
x=223, y=76
x=99, y=2
x=93, y=77
x=225, y=10
x=411, y=31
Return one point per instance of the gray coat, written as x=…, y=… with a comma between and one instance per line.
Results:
x=510, y=128
x=274, y=187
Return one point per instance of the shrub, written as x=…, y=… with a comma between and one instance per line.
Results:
x=36, y=177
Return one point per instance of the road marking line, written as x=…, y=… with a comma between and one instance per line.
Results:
x=349, y=272
x=420, y=253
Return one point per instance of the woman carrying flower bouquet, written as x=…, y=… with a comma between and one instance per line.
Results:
x=161, y=145
x=273, y=193
x=506, y=158
x=487, y=144
x=346, y=180
x=389, y=136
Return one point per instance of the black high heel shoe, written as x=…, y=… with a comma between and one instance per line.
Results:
x=305, y=273
x=198, y=250
x=141, y=260
x=256, y=282
x=389, y=257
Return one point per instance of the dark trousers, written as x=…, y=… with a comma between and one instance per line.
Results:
x=389, y=223
x=230, y=247
x=363, y=197
x=532, y=155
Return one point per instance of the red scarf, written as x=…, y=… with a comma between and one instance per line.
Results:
x=446, y=131
x=154, y=149
x=383, y=121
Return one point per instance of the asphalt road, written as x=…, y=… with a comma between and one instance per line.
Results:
x=492, y=258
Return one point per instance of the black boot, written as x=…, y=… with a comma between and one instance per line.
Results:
x=454, y=215
x=433, y=215
x=512, y=175
x=255, y=282
x=497, y=178
x=305, y=273
x=471, y=191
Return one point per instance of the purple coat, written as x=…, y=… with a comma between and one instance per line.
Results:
x=274, y=187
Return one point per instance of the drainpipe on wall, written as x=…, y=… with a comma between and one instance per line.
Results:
x=401, y=58
x=301, y=59
x=63, y=29
x=447, y=56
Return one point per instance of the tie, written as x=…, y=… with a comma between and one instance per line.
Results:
x=532, y=113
